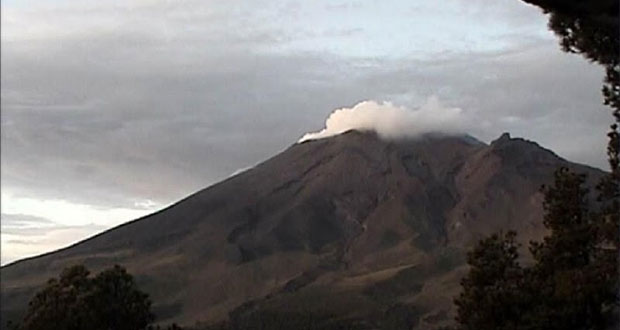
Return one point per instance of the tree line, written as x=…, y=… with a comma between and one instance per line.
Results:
x=573, y=283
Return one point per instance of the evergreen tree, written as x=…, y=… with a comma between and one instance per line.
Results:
x=491, y=299
x=608, y=225
x=574, y=283
x=572, y=237
x=574, y=279
x=590, y=28
x=566, y=279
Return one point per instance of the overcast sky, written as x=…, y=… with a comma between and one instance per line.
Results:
x=113, y=109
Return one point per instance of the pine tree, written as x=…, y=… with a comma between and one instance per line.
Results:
x=574, y=283
x=574, y=279
x=590, y=28
x=565, y=278
x=491, y=299
x=608, y=226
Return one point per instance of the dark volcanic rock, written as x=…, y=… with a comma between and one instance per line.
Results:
x=352, y=227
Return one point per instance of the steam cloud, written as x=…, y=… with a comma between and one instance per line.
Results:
x=390, y=121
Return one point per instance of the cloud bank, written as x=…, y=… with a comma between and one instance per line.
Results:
x=391, y=121
x=130, y=106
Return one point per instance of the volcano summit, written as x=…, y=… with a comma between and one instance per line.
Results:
x=350, y=228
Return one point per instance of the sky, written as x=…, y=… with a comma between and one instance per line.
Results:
x=114, y=109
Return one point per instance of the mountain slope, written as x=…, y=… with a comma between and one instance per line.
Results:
x=349, y=227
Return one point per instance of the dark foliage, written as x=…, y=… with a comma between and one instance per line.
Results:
x=490, y=296
x=573, y=239
x=590, y=28
x=574, y=279
x=76, y=301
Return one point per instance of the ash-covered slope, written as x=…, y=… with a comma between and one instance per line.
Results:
x=350, y=227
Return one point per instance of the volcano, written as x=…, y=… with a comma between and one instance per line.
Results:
x=350, y=228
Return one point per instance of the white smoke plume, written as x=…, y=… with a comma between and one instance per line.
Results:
x=390, y=121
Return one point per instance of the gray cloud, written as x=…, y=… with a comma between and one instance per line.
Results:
x=112, y=105
x=26, y=235
x=10, y=220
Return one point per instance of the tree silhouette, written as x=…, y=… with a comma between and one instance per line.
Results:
x=75, y=301
x=590, y=28
x=490, y=299
x=572, y=283
x=570, y=290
